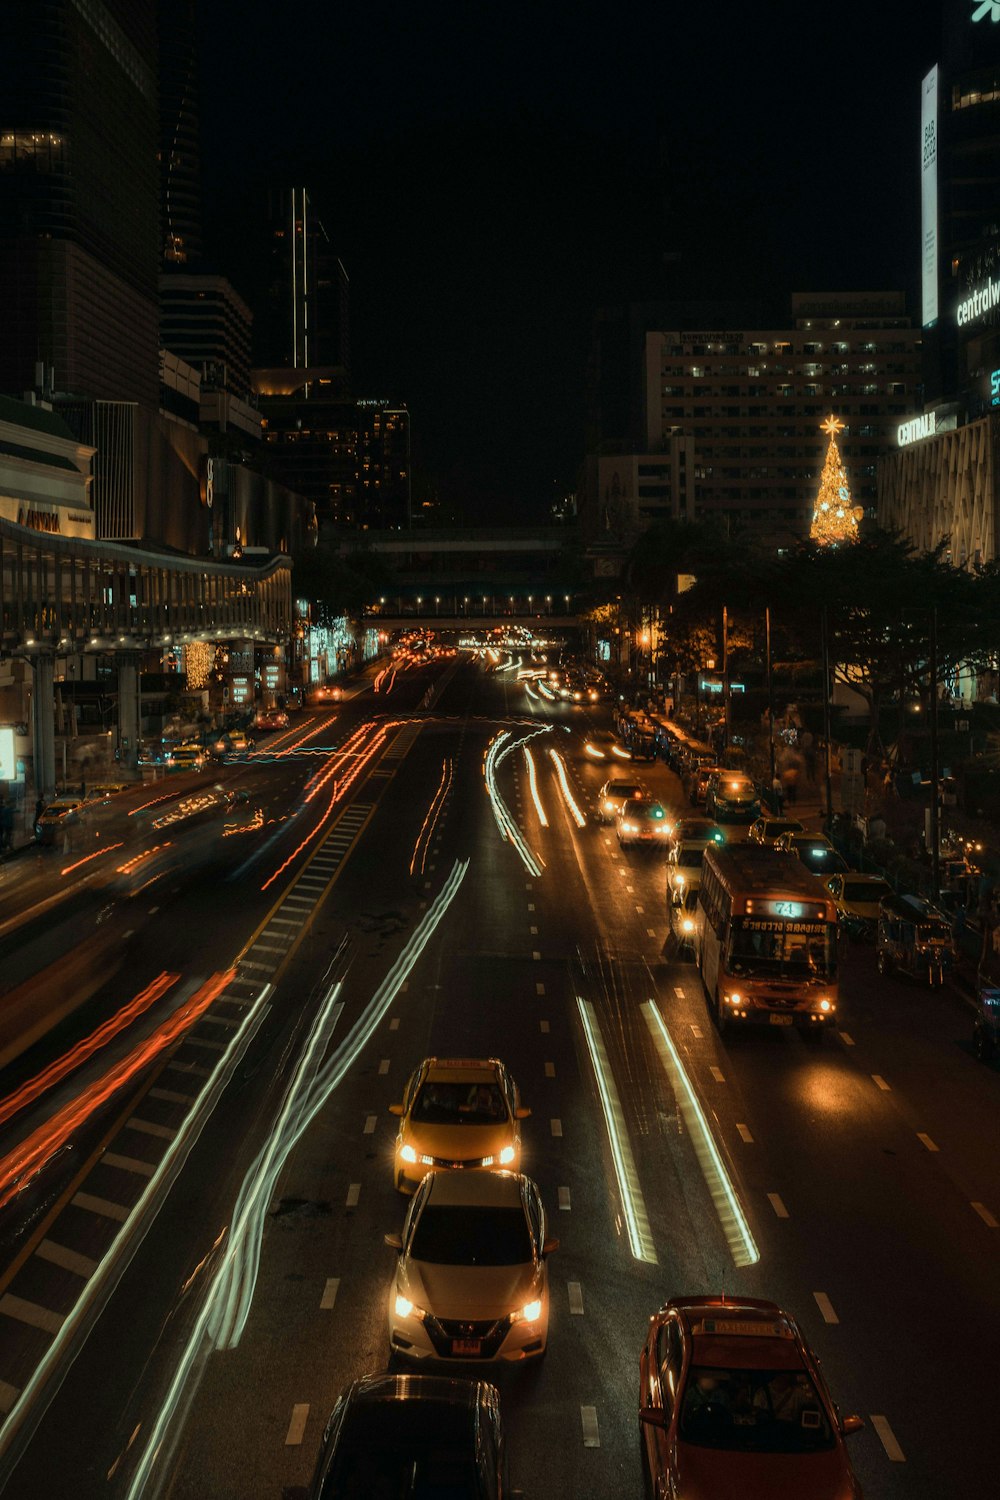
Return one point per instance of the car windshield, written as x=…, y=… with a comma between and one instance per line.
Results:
x=471, y=1235
x=865, y=891
x=459, y=1104
x=754, y=1411
x=623, y=790
x=403, y=1448
x=789, y=949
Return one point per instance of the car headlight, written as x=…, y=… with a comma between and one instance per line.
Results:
x=529, y=1313
x=687, y=925
x=678, y=879
x=407, y=1309
x=407, y=1153
x=630, y=828
x=507, y=1156
x=609, y=806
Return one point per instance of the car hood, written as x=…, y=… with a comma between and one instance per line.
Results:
x=469, y=1291
x=459, y=1142
x=707, y=1473
x=867, y=909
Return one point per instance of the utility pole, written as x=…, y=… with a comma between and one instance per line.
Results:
x=725, y=677
x=826, y=716
x=935, y=769
x=770, y=692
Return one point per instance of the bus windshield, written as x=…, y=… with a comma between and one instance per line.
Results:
x=786, y=949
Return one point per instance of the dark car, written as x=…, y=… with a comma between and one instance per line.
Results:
x=732, y=1401
x=413, y=1436
x=642, y=820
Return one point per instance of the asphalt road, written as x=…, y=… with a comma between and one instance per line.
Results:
x=866, y=1168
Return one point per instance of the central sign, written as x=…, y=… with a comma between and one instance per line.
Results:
x=916, y=428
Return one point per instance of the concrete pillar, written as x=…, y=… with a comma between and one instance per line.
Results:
x=43, y=728
x=129, y=725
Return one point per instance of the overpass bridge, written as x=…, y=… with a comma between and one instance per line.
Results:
x=473, y=623
x=62, y=595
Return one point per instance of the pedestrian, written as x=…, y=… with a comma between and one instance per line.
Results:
x=778, y=795
x=39, y=809
x=6, y=825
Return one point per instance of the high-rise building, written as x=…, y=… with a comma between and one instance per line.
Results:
x=79, y=200
x=303, y=321
x=205, y=321
x=180, y=151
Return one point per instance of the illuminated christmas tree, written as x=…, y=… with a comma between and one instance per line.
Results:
x=835, y=519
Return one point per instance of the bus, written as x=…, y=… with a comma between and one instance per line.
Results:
x=765, y=940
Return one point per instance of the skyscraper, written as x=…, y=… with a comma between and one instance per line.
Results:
x=180, y=154
x=303, y=322
x=79, y=237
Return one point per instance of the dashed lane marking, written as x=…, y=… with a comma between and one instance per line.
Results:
x=718, y=1075
x=536, y=956
x=394, y=1024
x=986, y=1216
x=556, y=1127
x=588, y=1421
x=847, y=1040
x=564, y=1199
x=30, y=1313
x=887, y=1438
x=826, y=1307
x=383, y=1067
x=744, y=1134
x=329, y=1296
x=575, y=1291
x=297, y=1425
x=149, y=1127
x=102, y=1206
x=678, y=991
x=128, y=1164
x=370, y=1124
x=353, y=1194
x=533, y=931
x=696, y=1032
x=641, y=911
x=539, y=989
x=878, y=1079
x=531, y=905
x=69, y=1260
x=777, y=1205
x=171, y=1096
x=925, y=1140
x=651, y=932
x=550, y=1070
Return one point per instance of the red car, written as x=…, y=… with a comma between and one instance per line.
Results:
x=272, y=718
x=732, y=1402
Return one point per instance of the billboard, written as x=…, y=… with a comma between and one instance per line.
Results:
x=929, y=197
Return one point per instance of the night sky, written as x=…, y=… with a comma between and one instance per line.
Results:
x=490, y=176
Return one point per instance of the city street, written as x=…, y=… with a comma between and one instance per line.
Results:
x=196, y=1269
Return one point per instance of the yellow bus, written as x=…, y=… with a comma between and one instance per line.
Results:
x=765, y=940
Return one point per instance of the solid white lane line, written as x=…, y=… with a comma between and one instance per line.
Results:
x=640, y=1235
x=297, y=1425
x=986, y=1216
x=777, y=1205
x=550, y=1070
x=732, y=1218
x=826, y=1307
x=718, y=1075
x=564, y=1199
x=926, y=1141
x=353, y=1194
x=887, y=1438
x=30, y=1313
x=575, y=1291
x=394, y=1024
x=383, y=1067
x=101, y=1206
x=539, y=989
x=745, y=1135
x=171, y=1096
x=69, y=1260
x=370, y=1123
x=556, y=1127
x=877, y=1078
x=588, y=1421
x=543, y=1027
x=848, y=1041
x=330, y=1291
x=128, y=1164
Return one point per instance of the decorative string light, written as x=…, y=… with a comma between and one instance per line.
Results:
x=835, y=519
x=199, y=659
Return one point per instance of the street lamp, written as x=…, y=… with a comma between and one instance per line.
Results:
x=437, y=601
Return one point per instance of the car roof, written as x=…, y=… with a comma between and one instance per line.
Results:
x=439, y=1389
x=462, y=1069
x=476, y=1189
x=748, y=1333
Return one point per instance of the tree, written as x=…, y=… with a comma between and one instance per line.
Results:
x=336, y=585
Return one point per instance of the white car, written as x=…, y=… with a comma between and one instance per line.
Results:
x=684, y=870
x=472, y=1280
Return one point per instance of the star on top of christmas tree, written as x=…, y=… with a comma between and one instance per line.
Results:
x=835, y=519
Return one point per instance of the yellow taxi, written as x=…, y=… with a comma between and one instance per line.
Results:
x=857, y=898
x=457, y=1114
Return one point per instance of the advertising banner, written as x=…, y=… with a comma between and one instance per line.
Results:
x=929, y=197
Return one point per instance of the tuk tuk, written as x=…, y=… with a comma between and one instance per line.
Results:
x=915, y=938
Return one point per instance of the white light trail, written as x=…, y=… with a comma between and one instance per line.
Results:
x=568, y=797
x=640, y=1236
x=533, y=785
x=546, y=691
x=727, y=1205
x=496, y=752
x=593, y=750
x=621, y=754
x=216, y=1316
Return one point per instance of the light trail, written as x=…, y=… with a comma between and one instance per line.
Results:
x=593, y=750
x=28, y=1158
x=227, y=1303
x=155, y=802
x=496, y=752
x=546, y=691
x=108, y=848
x=727, y=1204
x=432, y=815
x=621, y=754
x=530, y=692
x=568, y=797
x=533, y=786
x=133, y=864
x=640, y=1235
x=34, y=1087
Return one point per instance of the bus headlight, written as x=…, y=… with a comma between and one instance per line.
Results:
x=734, y=999
x=824, y=1005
